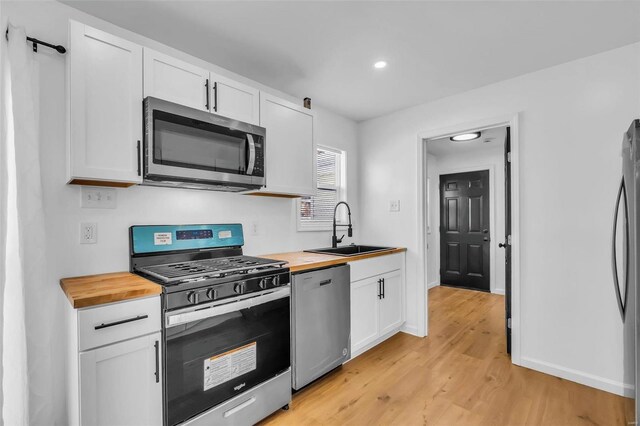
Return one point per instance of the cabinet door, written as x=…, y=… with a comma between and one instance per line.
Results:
x=105, y=107
x=391, y=301
x=175, y=81
x=234, y=100
x=121, y=384
x=290, y=149
x=364, y=313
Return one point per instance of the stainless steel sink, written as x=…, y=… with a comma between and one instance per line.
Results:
x=351, y=250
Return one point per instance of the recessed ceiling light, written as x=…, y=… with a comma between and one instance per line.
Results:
x=465, y=137
x=380, y=64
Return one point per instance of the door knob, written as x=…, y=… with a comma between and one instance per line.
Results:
x=501, y=245
x=486, y=238
x=485, y=231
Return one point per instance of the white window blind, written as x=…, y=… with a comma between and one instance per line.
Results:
x=318, y=209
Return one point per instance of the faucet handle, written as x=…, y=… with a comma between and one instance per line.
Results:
x=339, y=240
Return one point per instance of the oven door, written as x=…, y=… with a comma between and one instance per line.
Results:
x=192, y=145
x=215, y=352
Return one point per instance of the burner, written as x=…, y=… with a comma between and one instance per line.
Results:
x=209, y=268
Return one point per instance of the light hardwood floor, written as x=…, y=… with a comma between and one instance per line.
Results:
x=459, y=375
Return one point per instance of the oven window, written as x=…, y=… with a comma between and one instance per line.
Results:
x=184, y=142
x=211, y=360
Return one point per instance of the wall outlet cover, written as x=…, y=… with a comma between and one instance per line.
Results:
x=394, y=205
x=88, y=233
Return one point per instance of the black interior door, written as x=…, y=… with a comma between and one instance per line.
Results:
x=507, y=239
x=464, y=230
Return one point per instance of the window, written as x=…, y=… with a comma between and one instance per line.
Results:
x=315, y=213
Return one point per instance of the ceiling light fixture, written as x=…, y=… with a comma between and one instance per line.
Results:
x=380, y=64
x=465, y=137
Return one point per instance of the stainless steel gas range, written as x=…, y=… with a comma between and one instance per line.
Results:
x=226, y=331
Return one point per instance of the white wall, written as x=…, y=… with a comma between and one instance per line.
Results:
x=572, y=119
x=142, y=205
x=477, y=159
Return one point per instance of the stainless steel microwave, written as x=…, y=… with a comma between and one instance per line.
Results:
x=186, y=147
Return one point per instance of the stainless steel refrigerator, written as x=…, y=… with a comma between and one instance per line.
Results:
x=625, y=260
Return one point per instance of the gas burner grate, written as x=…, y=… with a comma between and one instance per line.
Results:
x=207, y=268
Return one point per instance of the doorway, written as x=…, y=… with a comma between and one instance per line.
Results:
x=464, y=230
x=502, y=230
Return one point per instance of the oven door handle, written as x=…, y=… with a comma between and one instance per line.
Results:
x=251, y=163
x=209, y=311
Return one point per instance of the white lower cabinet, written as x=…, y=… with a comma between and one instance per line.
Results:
x=115, y=368
x=377, y=300
x=390, y=305
x=365, y=315
x=120, y=384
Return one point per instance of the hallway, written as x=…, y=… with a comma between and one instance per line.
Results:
x=458, y=375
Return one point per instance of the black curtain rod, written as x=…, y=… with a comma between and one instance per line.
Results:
x=59, y=48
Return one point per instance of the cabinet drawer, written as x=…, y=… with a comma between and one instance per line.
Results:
x=361, y=269
x=120, y=321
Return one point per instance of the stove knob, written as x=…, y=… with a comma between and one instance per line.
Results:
x=263, y=283
x=276, y=281
x=212, y=293
x=238, y=288
x=192, y=297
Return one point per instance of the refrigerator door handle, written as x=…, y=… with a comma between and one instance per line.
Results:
x=622, y=196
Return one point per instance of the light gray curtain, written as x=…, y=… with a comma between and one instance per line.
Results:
x=26, y=328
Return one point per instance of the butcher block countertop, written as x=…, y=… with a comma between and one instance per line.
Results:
x=93, y=290
x=302, y=261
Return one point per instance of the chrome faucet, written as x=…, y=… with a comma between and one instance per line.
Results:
x=334, y=238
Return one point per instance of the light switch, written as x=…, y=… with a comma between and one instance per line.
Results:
x=94, y=197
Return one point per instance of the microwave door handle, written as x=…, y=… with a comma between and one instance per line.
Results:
x=252, y=154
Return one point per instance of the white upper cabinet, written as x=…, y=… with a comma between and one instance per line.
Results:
x=175, y=81
x=290, y=148
x=234, y=100
x=105, y=108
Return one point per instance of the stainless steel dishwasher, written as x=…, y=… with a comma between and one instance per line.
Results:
x=321, y=322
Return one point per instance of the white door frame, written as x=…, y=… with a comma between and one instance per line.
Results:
x=421, y=145
x=492, y=214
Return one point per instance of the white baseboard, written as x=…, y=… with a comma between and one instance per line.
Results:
x=581, y=377
x=498, y=291
x=410, y=329
x=433, y=284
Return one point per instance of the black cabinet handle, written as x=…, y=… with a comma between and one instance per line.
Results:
x=111, y=324
x=156, y=345
x=383, y=288
x=206, y=86
x=215, y=96
x=139, y=155
x=380, y=288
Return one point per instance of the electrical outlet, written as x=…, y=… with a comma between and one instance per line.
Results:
x=394, y=205
x=88, y=233
x=98, y=198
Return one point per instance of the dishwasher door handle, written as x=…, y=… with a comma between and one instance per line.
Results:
x=325, y=282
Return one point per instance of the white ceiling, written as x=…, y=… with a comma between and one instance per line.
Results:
x=489, y=139
x=325, y=49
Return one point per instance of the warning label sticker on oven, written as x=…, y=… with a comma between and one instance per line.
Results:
x=162, y=238
x=229, y=365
